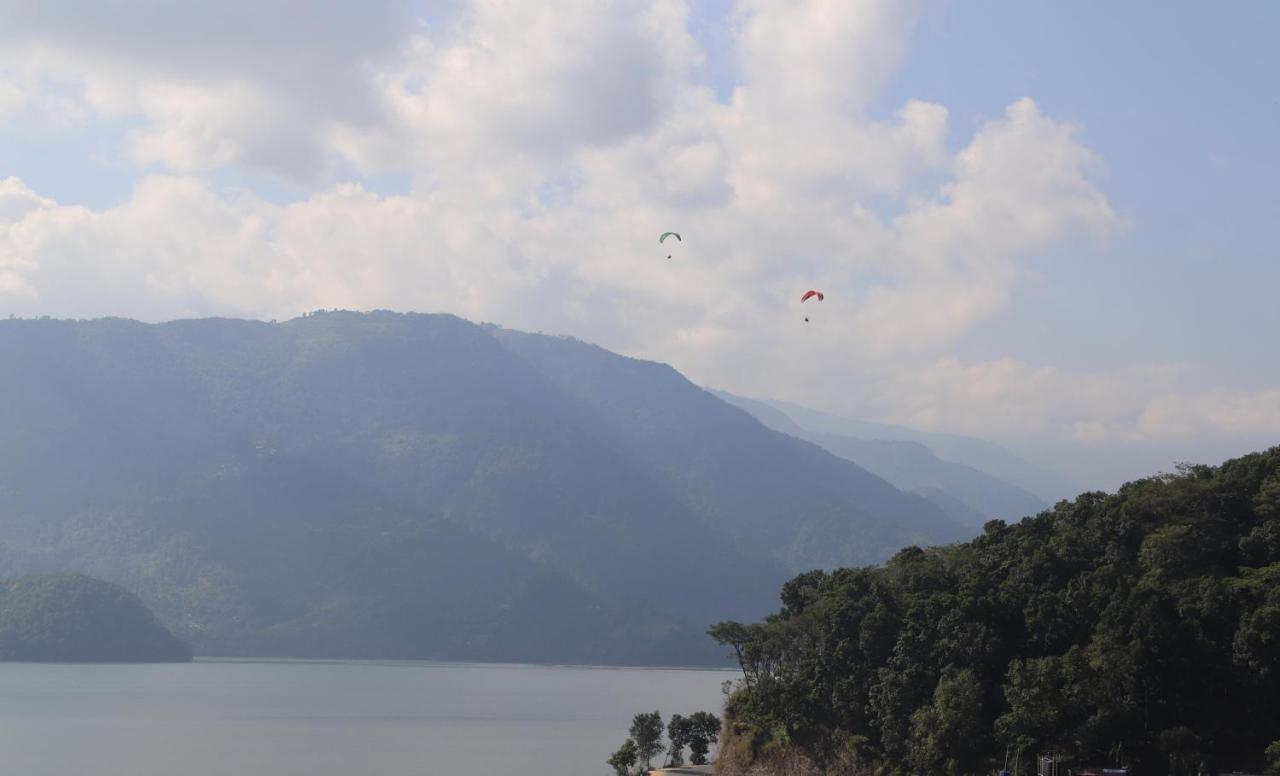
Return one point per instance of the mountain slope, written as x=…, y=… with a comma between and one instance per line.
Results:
x=73, y=618
x=981, y=454
x=384, y=485
x=966, y=494
x=232, y=455
x=778, y=495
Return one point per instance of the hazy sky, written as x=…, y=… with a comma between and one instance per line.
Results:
x=1050, y=224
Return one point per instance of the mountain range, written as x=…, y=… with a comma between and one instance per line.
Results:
x=387, y=485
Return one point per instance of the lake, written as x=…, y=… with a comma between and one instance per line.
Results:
x=313, y=718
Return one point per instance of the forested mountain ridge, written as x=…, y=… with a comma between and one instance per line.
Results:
x=377, y=485
x=1140, y=629
x=73, y=618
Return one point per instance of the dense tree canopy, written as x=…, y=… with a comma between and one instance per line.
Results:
x=1140, y=628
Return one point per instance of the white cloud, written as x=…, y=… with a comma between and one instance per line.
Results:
x=16, y=201
x=824, y=54
x=261, y=84
x=512, y=79
x=1220, y=413
x=1022, y=185
x=1012, y=399
x=548, y=145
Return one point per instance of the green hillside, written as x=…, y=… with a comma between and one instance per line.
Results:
x=1140, y=629
x=384, y=485
x=61, y=618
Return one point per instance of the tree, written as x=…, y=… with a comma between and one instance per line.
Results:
x=704, y=730
x=622, y=760
x=646, y=732
x=1140, y=628
x=679, y=730
x=1273, y=759
x=946, y=735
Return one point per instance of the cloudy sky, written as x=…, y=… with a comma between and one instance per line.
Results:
x=1050, y=224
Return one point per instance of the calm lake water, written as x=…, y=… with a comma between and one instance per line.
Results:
x=256, y=718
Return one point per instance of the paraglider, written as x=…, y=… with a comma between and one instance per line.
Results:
x=664, y=237
x=811, y=294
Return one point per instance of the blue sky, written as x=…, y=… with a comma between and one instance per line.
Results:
x=1052, y=224
x=1183, y=104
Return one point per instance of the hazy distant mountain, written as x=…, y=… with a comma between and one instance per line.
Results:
x=954, y=508
x=985, y=456
x=388, y=485
x=59, y=618
x=966, y=494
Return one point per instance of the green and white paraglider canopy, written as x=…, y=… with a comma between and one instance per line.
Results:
x=664, y=237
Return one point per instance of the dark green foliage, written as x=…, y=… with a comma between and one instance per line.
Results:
x=946, y=734
x=646, y=732
x=703, y=731
x=698, y=731
x=679, y=728
x=404, y=486
x=71, y=618
x=623, y=760
x=1140, y=628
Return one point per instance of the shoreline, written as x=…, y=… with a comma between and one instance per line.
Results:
x=452, y=663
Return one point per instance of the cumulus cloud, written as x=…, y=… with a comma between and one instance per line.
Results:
x=1024, y=183
x=1220, y=413
x=264, y=84
x=1016, y=400
x=548, y=145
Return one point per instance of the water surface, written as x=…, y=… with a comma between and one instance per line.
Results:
x=257, y=718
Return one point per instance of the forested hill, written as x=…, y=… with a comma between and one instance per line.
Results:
x=1140, y=629
x=74, y=618
x=408, y=486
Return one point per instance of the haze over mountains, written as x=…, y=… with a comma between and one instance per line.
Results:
x=985, y=455
x=415, y=486
x=972, y=480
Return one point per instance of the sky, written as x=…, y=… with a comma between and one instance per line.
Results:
x=1053, y=225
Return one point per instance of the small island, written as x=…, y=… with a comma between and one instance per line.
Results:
x=73, y=618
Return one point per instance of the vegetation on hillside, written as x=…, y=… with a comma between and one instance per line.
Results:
x=71, y=618
x=410, y=486
x=1139, y=629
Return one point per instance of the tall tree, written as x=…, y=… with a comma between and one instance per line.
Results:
x=646, y=732
x=679, y=729
x=704, y=730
